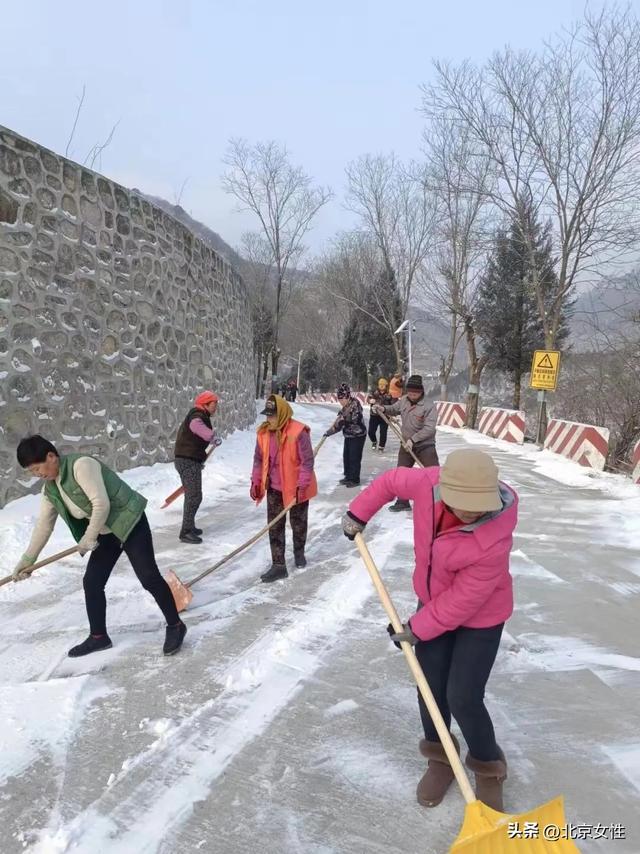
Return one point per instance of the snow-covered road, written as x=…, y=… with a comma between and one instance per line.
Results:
x=289, y=723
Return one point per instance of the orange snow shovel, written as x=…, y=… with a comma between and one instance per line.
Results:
x=182, y=591
x=28, y=570
x=180, y=490
x=484, y=830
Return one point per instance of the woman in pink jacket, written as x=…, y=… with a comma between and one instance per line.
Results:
x=463, y=522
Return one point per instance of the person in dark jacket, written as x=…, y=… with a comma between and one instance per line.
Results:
x=380, y=397
x=194, y=436
x=106, y=518
x=351, y=421
x=418, y=419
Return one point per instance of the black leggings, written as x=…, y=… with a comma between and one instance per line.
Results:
x=457, y=665
x=374, y=422
x=352, y=457
x=138, y=547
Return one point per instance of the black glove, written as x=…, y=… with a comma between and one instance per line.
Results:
x=405, y=635
x=351, y=525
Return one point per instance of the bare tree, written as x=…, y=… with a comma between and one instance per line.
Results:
x=397, y=211
x=281, y=196
x=75, y=120
x=95, y=152
x=452, y=276
x=562, y=131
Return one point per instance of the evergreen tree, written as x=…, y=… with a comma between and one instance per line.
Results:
x=507, y=314
x=368, y=345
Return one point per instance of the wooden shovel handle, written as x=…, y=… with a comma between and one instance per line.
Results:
x=418, y=675
x=180, y=490
x=255, y=537
x=45, y=562
x=399, y=435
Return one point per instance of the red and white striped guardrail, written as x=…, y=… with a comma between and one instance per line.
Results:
x=635, y=463
x=506, y=424
x=451, y=414
x=582, y=443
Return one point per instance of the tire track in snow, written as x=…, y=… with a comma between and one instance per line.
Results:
x=181, y=767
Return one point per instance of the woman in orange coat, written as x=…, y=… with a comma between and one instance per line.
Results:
x=283, y=471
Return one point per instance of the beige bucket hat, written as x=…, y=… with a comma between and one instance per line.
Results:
x=469, y=481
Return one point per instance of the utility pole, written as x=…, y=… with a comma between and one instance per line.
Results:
x=299, y=366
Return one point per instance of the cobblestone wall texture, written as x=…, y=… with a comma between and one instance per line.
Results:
x=112, y=317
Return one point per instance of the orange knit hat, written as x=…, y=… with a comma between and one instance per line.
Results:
x=205, y=398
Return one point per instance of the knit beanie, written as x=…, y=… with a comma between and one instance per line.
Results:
x=415, y=382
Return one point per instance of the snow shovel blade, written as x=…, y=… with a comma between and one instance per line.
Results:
x=485, y=831
x=182, y=595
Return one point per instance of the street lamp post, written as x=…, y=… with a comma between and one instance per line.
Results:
x=299, y=366
x=406, y=326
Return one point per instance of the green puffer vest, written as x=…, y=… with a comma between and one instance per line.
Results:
x=127, y=505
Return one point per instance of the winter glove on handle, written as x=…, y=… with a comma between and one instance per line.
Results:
x=408, y=443
x=379, y=410
x=398, y=637
x=85, y=545
x=19, y=573
x=351, y=525
x=217, y=442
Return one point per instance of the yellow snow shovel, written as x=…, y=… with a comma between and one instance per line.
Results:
x=182, y=591
x=484, y=830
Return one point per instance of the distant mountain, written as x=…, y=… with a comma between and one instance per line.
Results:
x=606, y=314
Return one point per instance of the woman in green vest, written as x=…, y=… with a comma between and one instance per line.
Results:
x=106, y=517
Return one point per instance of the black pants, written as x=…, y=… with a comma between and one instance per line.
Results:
x=425, y=453
x=298, y=516
x=374, y=422
x=457, y=665
x=352, y=457
x=138, y=547
x=190, y=472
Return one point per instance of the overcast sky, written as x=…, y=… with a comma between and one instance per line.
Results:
x=331, y=80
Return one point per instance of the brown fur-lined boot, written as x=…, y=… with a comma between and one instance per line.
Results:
x=439, y=775
x=489, y=779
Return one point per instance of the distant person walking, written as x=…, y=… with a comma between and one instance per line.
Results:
x=351, y=421
x=395, y=386
x=381, y=397
x=190, y=452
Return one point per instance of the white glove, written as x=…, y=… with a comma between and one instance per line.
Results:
x=86, y=545
x=379, y=410
x=19, y=573
x=408, y=443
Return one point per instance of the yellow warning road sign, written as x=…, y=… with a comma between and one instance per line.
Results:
x=545, y=369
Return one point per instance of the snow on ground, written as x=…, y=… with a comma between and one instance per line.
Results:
x=289, y=721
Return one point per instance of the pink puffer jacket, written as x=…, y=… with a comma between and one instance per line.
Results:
x=462, y=576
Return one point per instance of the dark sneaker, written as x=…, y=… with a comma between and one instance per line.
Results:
x=190, y=537
x=91, y=644
x=400, y=505
x=277, y=571
x=351, y=483
x=197, y=531
x=343, y=481
x=173, y=638
x=381, y=449
x=300, y=559
x=374, y=446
